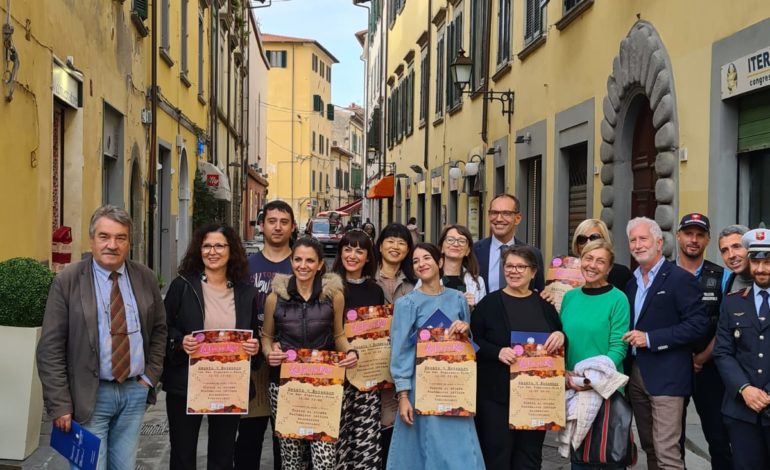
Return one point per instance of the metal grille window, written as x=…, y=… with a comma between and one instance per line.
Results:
x=503, y=31
x=424, y=84
x=439, y=110
x=478, y=38
x=533, y=22
x=454, y=44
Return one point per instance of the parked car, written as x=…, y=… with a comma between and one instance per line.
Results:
x=327, y=231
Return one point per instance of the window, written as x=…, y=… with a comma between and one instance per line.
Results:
x=184, y=69
x=277, y=58
x=439, y=109
x=329, y=73
x=312, y=142
x=165, y=46
x=503, y=31
x=315, y=63
x=321, y=68
x=338, y=178
x=354, y=144
x=327, y=148
x=327, y=181
x=533, y=167
x=577, y=161
x=112, y=157
x=424, y=80
x=321, y=143
x=330, y=112
x=394, y=8
x=478, y=38
x=454, y=43
x=312, y=181
x=570, y=4
x=201, y=33
x=533, y=23
x=409, y=98
x=346, y=181
x=140, y=8
x=317, y=103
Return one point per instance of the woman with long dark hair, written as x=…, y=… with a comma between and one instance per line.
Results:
x=461, y=268
x=304, y=311
x=359, y=445
x=211, y=292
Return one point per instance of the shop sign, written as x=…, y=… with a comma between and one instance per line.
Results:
x=473, y=216
x=435, y=185
x=66, y=87
x=212, y=180
x=749, y=73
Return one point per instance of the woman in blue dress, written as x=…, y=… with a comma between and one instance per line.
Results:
x=427, y=442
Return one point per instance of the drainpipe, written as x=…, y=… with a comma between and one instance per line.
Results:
x=365, y=60
x=427, y=119
x=485, y=64
x=151, y=168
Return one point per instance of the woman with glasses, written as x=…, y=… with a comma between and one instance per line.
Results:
x=304, y=311
x=359, y=444
x=594, y=229
x=596, y=316
x=515, y=307
x=421, y=441
x=211, y=292
x=461, y=268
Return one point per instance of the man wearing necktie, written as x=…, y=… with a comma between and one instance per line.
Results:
x=103, y=341
x=742, y=355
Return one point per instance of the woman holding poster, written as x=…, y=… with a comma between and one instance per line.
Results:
x=304, y=311
x=359, y=444
x=512, y=308
x=211, y=293
x=422, y=441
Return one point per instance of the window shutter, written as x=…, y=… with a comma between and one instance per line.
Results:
x=140, y=8
x=317, y=106
x=330, y=112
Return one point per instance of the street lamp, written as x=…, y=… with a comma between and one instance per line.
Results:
x=461, y=70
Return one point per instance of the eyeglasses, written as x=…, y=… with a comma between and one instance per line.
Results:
x=518, y=268
x=505, y=214
x=456, y=241
x=582, y=239
x=218, y=248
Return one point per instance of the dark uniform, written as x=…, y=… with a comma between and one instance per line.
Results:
x=742, y=356
x=709, y=389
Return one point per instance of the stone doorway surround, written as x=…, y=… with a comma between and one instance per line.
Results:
x=642, y=67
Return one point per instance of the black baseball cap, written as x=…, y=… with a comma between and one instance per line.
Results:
x=695, y=220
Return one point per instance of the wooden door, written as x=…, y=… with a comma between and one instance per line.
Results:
x=643, y=155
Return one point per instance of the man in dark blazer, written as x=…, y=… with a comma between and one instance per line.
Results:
x=504, y=217
x=103, y=341
x=742, y=355
x=667, y=320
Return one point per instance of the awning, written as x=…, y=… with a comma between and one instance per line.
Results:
x=215, y=179
x=382, y=189
x=354, y=206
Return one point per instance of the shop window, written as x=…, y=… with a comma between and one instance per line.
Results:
x=531, y=207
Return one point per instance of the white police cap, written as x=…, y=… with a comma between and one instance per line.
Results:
x=757, y=242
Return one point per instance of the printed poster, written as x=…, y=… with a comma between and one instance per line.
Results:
x=537, y=384
x=218, y=379
x=563, y=275
x=310, y=395
x=445, y=380
x=368, y=332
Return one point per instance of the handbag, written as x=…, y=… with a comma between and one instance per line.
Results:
x=610, y=440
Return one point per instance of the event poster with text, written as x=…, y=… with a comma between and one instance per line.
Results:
x=218, y=379
x=445, y=375
x=537, y=384
x=310, y=395
x=562, y=275
x=368, y=331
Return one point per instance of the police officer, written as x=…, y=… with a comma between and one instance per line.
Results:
x=742, y=355
x=693, y=236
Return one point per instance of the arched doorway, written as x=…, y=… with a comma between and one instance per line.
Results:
x=183, y=236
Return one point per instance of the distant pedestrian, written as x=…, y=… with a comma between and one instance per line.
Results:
x=101, y=350
x=742, y=354
x=368, y=229
x=504, y=216
x=667, y=319
x=413, y=229
x=211, y=292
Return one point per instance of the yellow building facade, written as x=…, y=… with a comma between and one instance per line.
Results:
x=620, y=109
x=299, y=124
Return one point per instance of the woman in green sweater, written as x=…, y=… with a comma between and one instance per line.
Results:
x=596, y=316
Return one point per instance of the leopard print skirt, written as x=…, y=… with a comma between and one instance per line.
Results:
x=359, y=445
x=294, y=452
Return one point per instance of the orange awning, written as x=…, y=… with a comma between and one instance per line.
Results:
x=382, y=189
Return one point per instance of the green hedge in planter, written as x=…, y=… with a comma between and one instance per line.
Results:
x=24, y=284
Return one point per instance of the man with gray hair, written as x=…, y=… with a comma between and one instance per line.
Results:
x=735, y=257
x=101, y=351
x=667, y=319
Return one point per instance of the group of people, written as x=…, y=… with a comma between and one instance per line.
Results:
x=681, y=329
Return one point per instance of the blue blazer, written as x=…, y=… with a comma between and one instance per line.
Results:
x=674, y=318
x=742, y=353
x=481, y=250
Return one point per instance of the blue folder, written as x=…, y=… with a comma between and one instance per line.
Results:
x=79, y=446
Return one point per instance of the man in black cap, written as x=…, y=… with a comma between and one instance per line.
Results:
x=693, y=236
x=742, y=355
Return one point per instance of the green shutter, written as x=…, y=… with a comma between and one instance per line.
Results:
x=317, y=103
x=754, y=122
x=330, y=112
x=356, y=177
x=140, y=8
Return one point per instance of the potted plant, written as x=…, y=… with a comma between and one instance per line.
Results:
x=24, y=284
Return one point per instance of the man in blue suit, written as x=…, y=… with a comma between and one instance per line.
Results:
x=667, y=318
x=742, y=355
x=504, y=216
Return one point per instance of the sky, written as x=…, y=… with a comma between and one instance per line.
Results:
x=333, y=23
